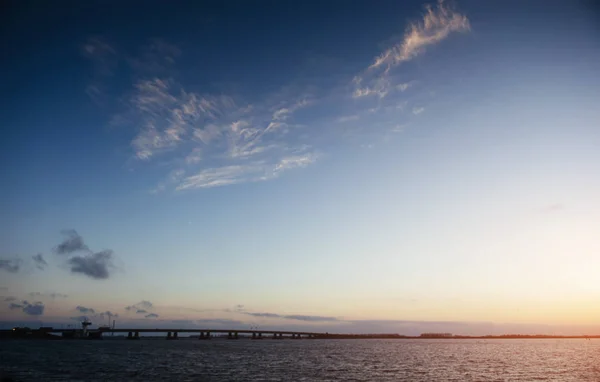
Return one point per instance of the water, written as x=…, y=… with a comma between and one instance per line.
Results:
x=305, y=360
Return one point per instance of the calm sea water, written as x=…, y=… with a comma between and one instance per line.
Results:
x=304, y=360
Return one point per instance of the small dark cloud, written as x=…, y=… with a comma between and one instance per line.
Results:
x=152, y=315
x=39, y=262
x=32, y=309
x=58, y=295
x=10, y=298
x=141, y=311
x=84, y=310
x=72, y=243
x=140, y=307
x=96, y=265
x=36, y=309
x=10, y=265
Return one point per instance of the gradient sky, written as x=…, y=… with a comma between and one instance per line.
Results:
x=374, y=166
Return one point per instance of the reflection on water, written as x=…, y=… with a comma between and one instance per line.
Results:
x=317, y=360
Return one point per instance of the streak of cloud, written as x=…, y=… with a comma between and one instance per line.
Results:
x=297, y=317
x=52, y=295
x=437, y=23
x=255, y=172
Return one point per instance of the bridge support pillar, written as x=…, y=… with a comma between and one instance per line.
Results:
x=201, y=336
x=229, y=335
x=175, y=335
x=253, y=336
x=136, y=336
x=168, y=335
x=129, y=335
x=280, y=336
x=260, y=336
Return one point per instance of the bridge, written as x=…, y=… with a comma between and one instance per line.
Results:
x=208, y=333
x=173, y=333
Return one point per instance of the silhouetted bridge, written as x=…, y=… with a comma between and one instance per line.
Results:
x=134, y=333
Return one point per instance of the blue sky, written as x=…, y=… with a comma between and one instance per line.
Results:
x=366, y=166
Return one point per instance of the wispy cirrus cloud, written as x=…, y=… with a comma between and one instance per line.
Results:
x=207, y=134
x=212, y=139
x=253, y=172
x=438, y=22
x=226, y=144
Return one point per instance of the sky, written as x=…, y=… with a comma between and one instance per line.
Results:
x=368, y=166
